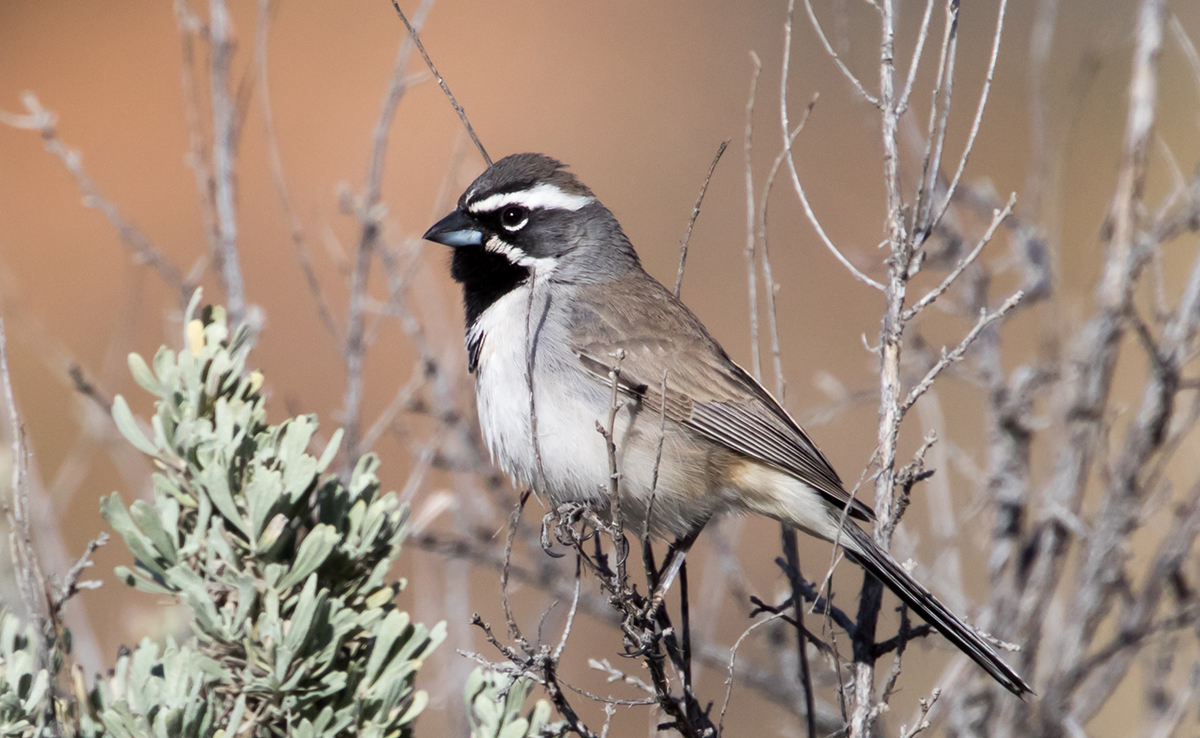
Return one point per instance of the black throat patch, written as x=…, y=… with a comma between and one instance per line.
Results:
x=485, y=277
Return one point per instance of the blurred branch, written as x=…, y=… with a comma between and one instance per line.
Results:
x=1108, y=664
x=189, y=28
x=31, y=580
x=768, y=280
x=1090, y=373
x=749, y=253
x=275, y=161
x=43, y=601
x=223, y=154
x=87, y=388
x=369, y=211
x=43, y=121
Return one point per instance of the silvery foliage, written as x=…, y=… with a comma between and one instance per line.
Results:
x=284, y=567
x=24, y=688
x=494, y=703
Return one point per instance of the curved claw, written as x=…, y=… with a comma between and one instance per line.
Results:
x=545, y=539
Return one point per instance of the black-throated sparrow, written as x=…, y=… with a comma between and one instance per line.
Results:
x=556, y=299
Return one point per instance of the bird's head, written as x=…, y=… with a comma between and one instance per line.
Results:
x=529, y=209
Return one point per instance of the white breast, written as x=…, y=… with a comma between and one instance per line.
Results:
x=574, y=463
x=501, y=389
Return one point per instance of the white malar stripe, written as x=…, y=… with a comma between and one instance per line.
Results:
x=544, y=195
x=519, y=257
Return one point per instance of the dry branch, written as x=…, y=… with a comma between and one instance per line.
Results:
x=44, y=122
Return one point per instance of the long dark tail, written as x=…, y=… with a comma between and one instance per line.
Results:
x=867, y=554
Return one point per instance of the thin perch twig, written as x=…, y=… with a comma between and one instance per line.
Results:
x=783, y=114
x=858, y=86
x=957, y=353
x=983, y=98
x=687, y=237
x=462, y=114
x=998, y=217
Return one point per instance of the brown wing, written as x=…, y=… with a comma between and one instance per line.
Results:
x=706, y=390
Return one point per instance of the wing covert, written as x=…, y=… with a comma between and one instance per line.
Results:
x=713, y=396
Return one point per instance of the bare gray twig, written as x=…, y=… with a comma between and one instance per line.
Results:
x=978, y=120
x=462, y=114
x=687, y=237
x=275, y=161
x=223, y=156
x=43, y=121
x=998, y=217
x=957, y=353
x=858, y=86
x=783, y=114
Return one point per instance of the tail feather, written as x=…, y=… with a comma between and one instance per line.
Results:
x=867, y=554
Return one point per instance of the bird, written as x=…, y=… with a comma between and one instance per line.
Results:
x=558, y=309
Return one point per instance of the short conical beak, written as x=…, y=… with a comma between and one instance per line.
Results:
x=456, y=229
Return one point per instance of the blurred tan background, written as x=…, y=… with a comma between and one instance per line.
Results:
x=635, y=96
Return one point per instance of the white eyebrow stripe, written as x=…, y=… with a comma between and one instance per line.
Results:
x=544, y=195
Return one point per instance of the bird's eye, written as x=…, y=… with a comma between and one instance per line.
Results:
x=514, y=217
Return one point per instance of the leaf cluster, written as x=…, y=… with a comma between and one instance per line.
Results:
x=284, y=566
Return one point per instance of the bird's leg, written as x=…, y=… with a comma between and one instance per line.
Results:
x=643, y=622
x=676, y=554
